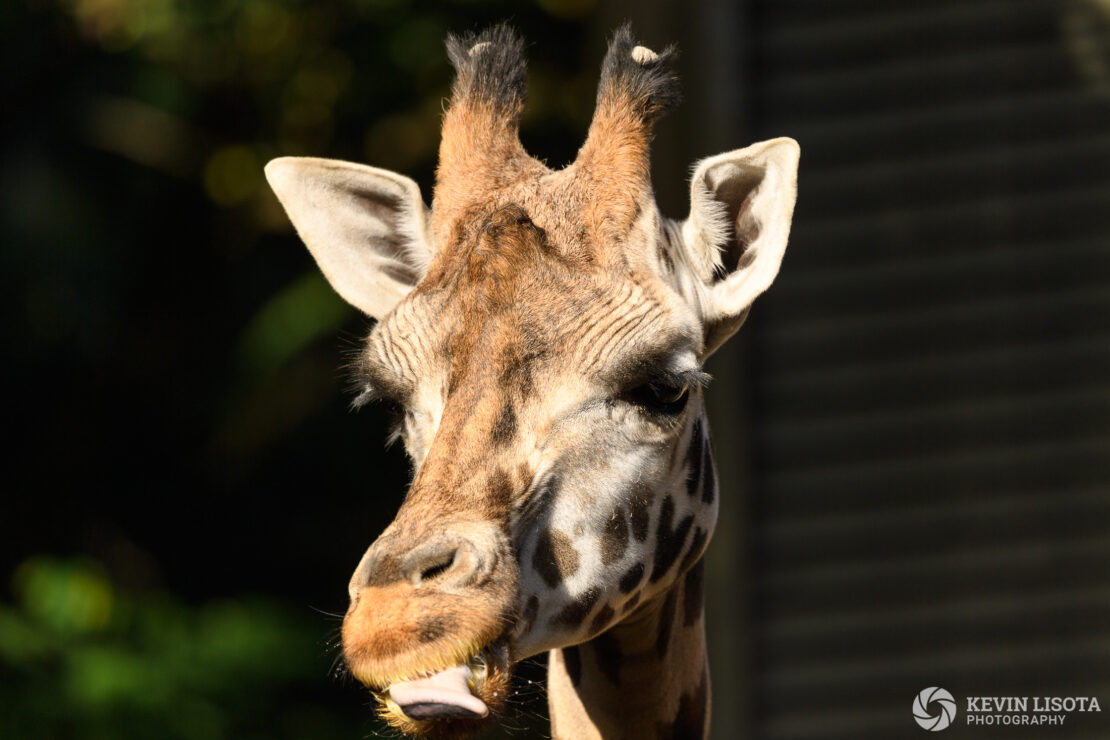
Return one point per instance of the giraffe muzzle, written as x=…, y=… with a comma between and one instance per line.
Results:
x=427, y=629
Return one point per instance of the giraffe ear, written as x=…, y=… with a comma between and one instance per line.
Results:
x=368, y=229
x=741, y=204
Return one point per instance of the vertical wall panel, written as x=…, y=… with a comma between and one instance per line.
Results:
x=932, y=367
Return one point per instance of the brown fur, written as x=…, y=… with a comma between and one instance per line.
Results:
x=522, y=255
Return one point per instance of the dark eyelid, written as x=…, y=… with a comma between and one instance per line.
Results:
x=653, y=370
x=693, y=377
x=645, y=366
x=373, y=382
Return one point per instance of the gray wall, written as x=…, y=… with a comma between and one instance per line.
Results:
x=913, y=428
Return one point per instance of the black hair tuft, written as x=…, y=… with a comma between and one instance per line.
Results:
x=651, y=85
x=489, y=67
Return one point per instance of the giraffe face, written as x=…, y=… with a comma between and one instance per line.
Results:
x=542, y=332
x=551, y=409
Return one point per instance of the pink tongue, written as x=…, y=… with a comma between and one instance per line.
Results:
x=446, y=687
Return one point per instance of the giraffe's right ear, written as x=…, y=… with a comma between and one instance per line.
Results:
x=741, y=206
x=368, y=229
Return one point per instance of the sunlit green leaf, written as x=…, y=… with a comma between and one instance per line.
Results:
x=69, y=597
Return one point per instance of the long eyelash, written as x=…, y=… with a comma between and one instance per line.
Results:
x=366, y=394
x=358, y=384
x=396, y=432
x=692, y=378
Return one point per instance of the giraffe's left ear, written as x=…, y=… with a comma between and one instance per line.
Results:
x=741, y=204
x=368, y=228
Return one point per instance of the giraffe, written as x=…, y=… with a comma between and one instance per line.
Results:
x=542, y=333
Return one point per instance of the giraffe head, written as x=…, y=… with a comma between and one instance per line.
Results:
x=542, y=333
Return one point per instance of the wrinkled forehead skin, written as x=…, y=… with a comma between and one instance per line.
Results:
x=523, y=294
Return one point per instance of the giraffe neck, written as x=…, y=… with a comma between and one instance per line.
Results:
x=647, y=677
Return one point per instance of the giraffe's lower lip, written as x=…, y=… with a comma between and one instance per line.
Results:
x=446, y=694
x=468, y=691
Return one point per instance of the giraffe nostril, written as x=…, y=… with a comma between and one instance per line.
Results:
x=445, y=561
x=436, y=569
x=451, y=560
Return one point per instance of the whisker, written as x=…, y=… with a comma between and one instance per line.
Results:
x=326, y=613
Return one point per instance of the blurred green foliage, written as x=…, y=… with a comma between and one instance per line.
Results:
x=207, y=91
x=82, y=657
x=289, y=320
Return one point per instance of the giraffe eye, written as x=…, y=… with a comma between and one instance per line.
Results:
x=394, y=408
x=398, y=415
x=667, y=395
x=662, y=398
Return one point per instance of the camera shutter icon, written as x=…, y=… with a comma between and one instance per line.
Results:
x=934, y=709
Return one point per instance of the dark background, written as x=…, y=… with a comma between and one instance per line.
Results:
x=913, y=425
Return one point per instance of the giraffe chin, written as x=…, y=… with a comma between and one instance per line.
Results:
x=455, y=702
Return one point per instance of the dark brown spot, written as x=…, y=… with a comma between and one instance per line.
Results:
x=637, y=209
x=601, y=620
x=572, y=659
x=695, y=455
x=526, y=385
x=632, y=602
x=524, y=475
x=689, y=722
x=504, y=431
x=665, y=253
x=555, y=558
x=668, y=542
x=528, y=616
x=709, y=477
x=631, y=578
x=639, y=508
x=516, y=368
x=500, y=489
x=433, y=628
x=697, y=547
x=693, y=598
x=453, y=378
x=666, y=622
x=607, y=653
x=538, y=501
x=614, y=539
x=575, y=612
